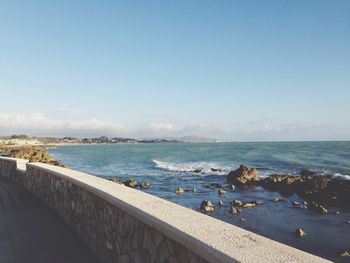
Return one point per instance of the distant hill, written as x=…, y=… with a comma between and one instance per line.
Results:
x=195, y=138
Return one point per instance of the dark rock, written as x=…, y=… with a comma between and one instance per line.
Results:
x=237, y=202
x=243, y=175
x=114, y=180
x=215, y=170
x=221, y=191
x=190, y=190
x=213, y=185
x=324, y=190
x=300, y=232
x=130, y=183
x=145, y=185
x=207, y=206
x=220, y=203
x=179, y=190
x=233, y=210
x=197, y=171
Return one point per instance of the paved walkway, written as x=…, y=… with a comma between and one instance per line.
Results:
x=32, y=233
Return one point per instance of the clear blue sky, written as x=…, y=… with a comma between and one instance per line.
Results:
x=240, y=70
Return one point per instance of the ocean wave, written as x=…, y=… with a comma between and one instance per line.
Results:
x=201, y=168
x=342, y=176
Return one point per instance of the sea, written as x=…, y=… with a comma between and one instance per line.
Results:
x=193, y=166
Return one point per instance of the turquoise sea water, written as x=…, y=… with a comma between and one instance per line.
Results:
x=167, y=166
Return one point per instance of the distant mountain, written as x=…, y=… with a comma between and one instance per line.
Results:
x=195, y=138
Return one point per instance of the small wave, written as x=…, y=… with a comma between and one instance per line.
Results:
x=202, y=168
x=342, y=176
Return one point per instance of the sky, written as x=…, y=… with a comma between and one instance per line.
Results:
x=232, y=70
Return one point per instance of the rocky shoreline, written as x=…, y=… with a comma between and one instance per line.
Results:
x=33, y=153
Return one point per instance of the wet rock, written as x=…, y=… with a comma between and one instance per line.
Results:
x=197, y=171
x=278, y=199
x=237, y=202
x=325, y=190
x=242, y=176
x=249, y=204
x=215, y=170
x=179, y=190
x=221, y=192
x=213, y=185
x=297, y=205
x=317, y=208
x=220, y=203
x=300, y=232
x=114, y=180
x=130, y=183
x=207, y=206
x=233, y=210
x=145, y=185
x=345, y=254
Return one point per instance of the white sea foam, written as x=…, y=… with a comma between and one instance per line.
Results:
x=342, y=176
x=202, y=168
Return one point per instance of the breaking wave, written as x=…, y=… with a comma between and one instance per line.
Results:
x=201, y=168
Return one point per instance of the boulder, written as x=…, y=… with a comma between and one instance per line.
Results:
x=207, y=206
x=130, y=183
x=242, y=176
x=237, y=202
x=145, y=185
x=221, y=191
x=179, y=190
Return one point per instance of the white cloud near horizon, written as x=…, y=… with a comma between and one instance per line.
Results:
x=39, y=124
x=164, y=126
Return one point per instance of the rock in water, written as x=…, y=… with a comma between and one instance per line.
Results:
x=233, y=210
x=345, y=254
x=213, y=185
x=179, y=190
x=145, y=185
x=130, y=183
x=237, y=202
x=243, y=175
x=207, y=206
x=249, y=204
x=220, y=203
x=317, y=208
x=221, y=191
x=300, y=232
x=114, y=180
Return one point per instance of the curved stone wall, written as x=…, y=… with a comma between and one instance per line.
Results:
x=121, y=224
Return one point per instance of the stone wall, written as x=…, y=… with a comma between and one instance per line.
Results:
x=120, y=224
